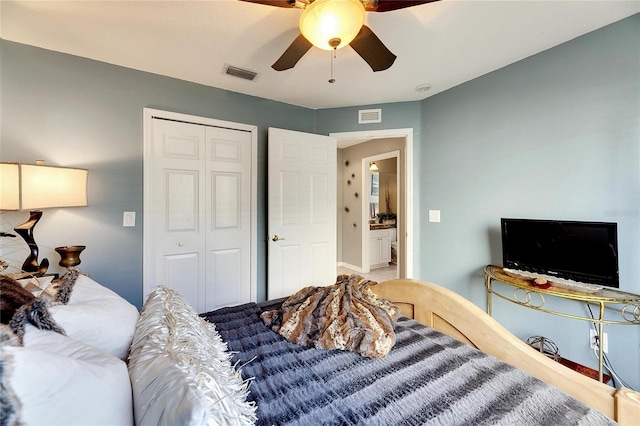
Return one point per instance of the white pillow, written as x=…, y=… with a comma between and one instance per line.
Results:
x=60, y=381
x=180, y=369
x=97, y=316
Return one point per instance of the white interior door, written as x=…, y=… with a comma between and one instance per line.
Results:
x=302, y=170
x=198, y=213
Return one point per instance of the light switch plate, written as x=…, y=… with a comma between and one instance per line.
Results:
x=129, y=219
x=434, y=215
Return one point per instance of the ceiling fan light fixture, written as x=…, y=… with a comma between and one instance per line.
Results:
x=332, y=24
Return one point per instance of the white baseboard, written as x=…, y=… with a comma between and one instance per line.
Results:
x=350, y=266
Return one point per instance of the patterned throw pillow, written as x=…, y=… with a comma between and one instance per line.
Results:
x=40, y=286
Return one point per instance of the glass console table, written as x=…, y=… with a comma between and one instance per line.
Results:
x=614, y=306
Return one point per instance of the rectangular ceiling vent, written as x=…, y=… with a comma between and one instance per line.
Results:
x=240, y=72
x=366, y=116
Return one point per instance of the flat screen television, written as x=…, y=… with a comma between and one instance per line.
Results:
x=586, y=252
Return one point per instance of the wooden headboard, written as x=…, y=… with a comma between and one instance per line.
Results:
x=450, y=313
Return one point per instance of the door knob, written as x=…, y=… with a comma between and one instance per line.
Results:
x=180, y=244
x=276, y=238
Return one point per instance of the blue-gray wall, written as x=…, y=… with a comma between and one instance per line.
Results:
x=78, y=112
x=554, y=136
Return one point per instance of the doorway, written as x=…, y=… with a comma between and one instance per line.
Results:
x=382, y=215
x=408, y=247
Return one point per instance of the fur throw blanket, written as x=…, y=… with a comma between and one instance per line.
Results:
x=345, y=316
x=19, y=307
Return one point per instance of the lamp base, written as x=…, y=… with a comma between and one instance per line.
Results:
x=70, y=255
x=25, y=230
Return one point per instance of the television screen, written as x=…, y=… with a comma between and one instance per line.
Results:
x=580, y=251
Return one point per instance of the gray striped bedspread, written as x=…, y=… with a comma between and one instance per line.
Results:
x=427, y=378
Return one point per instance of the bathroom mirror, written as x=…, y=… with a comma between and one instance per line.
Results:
x=375, y=183
x=374, y=198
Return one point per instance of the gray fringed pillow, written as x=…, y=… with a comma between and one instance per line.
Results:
x=180, y=368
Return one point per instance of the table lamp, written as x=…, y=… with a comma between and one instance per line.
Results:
x=34, y=187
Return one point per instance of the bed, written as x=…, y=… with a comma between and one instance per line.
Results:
x=292, y=384
x=167, y=365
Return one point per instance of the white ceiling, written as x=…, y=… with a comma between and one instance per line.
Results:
x=442, y=44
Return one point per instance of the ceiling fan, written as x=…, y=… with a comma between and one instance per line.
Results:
x=333, y=24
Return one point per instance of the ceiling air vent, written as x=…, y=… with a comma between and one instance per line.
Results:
x=240, y=72
x=366, y=116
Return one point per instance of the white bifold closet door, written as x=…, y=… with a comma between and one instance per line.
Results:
x=200, y=212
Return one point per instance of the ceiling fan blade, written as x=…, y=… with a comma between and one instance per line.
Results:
x=292, y=55
x=279, y=3
x=372, y=50
x=369, y=5
x=387, y=5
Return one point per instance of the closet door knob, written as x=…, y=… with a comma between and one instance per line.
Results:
x=181, y=243
x=275, y=238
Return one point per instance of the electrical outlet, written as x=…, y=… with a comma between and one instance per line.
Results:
x=593, y=341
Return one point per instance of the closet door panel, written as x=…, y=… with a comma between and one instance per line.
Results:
x=228, y=230
x=177, y=210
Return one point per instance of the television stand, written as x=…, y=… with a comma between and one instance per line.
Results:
x=615, y=307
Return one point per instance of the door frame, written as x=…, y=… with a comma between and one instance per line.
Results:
x=412, y=245
x=148, y=115
x=366, y=190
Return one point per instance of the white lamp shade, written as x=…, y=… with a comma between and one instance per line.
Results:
x=45, y=186
x=9, y=186
x=32, y=187
x=325, y=20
